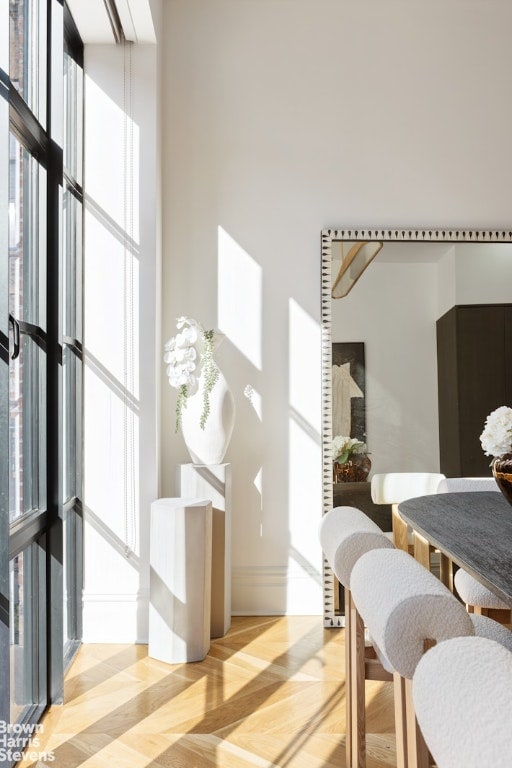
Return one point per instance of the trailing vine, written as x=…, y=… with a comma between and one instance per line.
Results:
x=181, y=403
x=211, y=374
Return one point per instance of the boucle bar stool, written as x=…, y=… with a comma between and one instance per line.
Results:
x=395, y=487
x=478, y=598
x=462, y=693
x=346, y=533
x=407, y=610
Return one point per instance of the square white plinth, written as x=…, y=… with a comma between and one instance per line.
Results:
x=180, y=579
x=213, y=481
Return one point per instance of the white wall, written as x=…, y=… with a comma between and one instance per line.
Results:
x=475, y=274
x=283, y=117
x=121, y=337
x=280, y=118
x=393, y=310
x=491, y=284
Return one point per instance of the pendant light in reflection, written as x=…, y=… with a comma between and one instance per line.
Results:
x=355, y=257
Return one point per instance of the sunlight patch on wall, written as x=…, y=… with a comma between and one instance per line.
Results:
x=258, y=484
x=304, y=364
x=111, y=335
x=304, y=452
x=305, y=493
x=115, y=174
x=239, y=297
x=255, y=400
x=111, y=282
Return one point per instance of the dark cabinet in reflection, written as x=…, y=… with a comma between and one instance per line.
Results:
x=474, y=371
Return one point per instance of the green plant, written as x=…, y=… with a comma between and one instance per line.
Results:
x=211, y=374
x=344, y=447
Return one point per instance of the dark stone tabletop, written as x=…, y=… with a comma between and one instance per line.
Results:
x=473, y=528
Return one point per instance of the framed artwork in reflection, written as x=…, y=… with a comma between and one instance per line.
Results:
x=349, y=390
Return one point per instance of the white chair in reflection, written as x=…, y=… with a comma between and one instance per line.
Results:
x=462, y=694
x=478, y=598
x=395, y=487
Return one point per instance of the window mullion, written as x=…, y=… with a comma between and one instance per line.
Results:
x=26, y=127
x=54, y=549
x=4, y=370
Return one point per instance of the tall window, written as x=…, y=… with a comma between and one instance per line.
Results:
x=71, y=324
x=40, y=354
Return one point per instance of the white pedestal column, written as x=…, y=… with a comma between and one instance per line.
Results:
x=180, y=579
x=213, y=481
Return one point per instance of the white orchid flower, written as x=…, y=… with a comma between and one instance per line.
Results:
x=191, y=353
x=190, y=334
x=181, y=340
x=180, y=354
x=183, y=360
x=184, y=320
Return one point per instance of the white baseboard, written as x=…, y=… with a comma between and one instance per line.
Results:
x=115, y=618
x=275, y=591
x=256, y=591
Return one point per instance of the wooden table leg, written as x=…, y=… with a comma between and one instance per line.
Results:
x=400, y=537
x=446, y=571
x=421, y=550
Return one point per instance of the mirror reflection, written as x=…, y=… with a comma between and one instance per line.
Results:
x=394, y=310
x=434, y=322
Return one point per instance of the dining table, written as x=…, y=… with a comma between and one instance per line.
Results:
x=472, y=529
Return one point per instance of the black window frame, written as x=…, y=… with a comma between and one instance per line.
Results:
x=42, y=528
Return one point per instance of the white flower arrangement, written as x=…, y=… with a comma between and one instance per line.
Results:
x=496, y=438
x=344, y=447
x=184, y=364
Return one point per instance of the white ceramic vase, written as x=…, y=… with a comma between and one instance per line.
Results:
x=209, y=445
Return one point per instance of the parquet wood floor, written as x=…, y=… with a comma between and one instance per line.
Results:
x=270, y=694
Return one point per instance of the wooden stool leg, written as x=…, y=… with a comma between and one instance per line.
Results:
x=348, y=680
x=400, y=720
x=400, y=537
x=417, y=750
x=357, y=689
x=502, y=615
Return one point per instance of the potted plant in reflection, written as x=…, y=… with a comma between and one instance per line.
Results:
x=351, y=463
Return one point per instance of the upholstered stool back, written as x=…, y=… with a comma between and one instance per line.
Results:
x=406, y=606
x=458, y=484
x=406, y=610
x=462, y=693
x=346, y=534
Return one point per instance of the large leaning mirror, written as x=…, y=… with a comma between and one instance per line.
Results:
x=415, y=307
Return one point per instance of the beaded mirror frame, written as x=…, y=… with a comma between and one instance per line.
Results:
x=345, y=234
